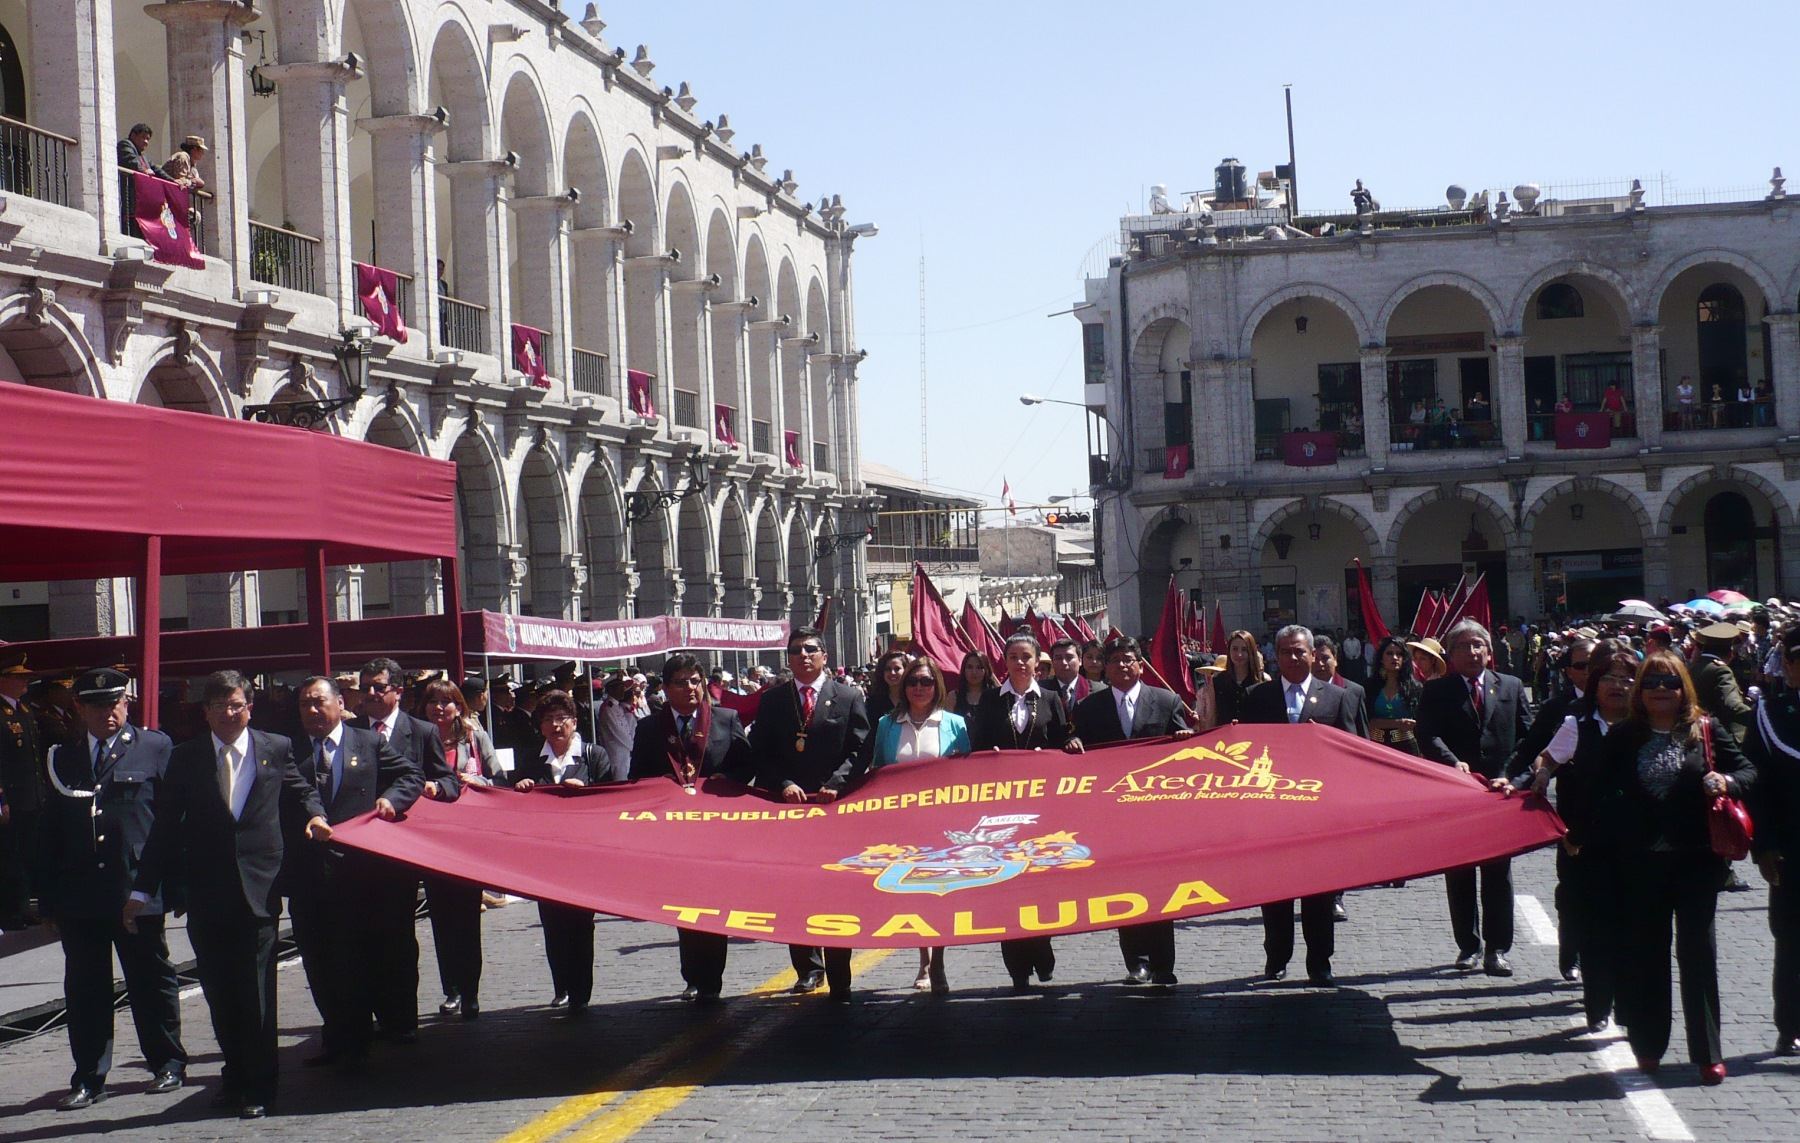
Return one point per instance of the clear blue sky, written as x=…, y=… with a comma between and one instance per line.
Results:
x=1006, y=139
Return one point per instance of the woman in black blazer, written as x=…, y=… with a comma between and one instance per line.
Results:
x=884, y=688
x=1654, y=788
x=974, y=684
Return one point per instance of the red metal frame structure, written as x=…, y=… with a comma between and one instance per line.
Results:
x=105, y=489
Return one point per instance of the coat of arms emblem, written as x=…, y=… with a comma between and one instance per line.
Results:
x=985, y=855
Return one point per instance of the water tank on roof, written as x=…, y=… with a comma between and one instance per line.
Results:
x=1230, y=183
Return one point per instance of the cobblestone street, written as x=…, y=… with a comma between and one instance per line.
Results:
x=1405, y=1048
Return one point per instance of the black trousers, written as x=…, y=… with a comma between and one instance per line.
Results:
x=395, y=999
x=150, y=983
x=357, y=945
x=1672, y=894
x=1151, y=943
x=1590, y=924
x=234, y=953
x=834, y=963
x=1316, y=924
x=1784, y=924
x=1568, y=914
x=702, y=959
x=456, y=933
x=18, y=842
x=1493, y=923
x=1027, y=955
x=569, y=947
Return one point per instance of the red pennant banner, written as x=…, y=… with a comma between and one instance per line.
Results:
x=528, y=354
x=1373, y=626
x=958, y=851
x=934, y=630
x=378, y=291
x=723, y=415
x=791, y=449
x=160, y=209
x=1177, y=459
x=1166, y=654
x=640, y=393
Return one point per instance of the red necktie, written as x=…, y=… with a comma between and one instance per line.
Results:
x=1475, y=693
x=806, y=706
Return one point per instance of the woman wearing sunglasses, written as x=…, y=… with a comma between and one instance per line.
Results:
x=916, y=729
x=1774, y=744
x=1655, y=785
x=1588, y=888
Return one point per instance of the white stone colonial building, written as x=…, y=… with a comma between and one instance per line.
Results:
x=514, y=169
x=1394, y=391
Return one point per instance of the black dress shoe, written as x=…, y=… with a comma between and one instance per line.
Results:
x=1272, y=973
x=1138, y=974
x=690, y=993
x=451, y=1006
x=840, y=995
x=559, y=1000
x=1469, y=961
x=1788, y=1046
x=80, y=1096
x=253, y=1111
x=1044, y=974
x=1736, y=884
x=1021, y=983
x=1321, y=979
x=167, y=1080
x=708, y=999
x=1164, y=979
x=471, y=1009
x=811, y=982
x=573, y=1011
x=1497, y=965
x=1572, y=974
x=223, y=1099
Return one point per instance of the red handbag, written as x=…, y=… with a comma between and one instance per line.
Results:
x=1727, y=821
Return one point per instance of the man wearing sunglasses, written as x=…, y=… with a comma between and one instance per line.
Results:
x=1549, y=714
x=810, y=741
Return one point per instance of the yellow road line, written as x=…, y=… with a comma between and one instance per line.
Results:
x=676, y=1076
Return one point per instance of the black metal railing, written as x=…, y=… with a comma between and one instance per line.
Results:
x=922, y=553
x=1724, y=414
x=34, y=162
x=821, y=457
x=762, y=437
x=687, y=408
x=403, y=296
x=462, y=325
x=199, y=203
x=588, y=371
x=283, y=258
x=1415, y=436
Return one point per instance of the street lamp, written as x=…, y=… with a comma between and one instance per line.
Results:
x=1030, y=399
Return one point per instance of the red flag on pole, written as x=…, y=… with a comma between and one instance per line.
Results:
x=934, y=629
x=1465, y=609
x=982, y=635
x=1218, y=628
x=1006, y=497
x=1477, y=607
x=1166, y=655
x=528, y=354
x=640, y=393
x=1042, y=627
x=378, y=291
x=1373, y=627
x=160, y=209
x=1431, y=609
x=823, y=622
x=1008, y=625
x=1083, y=629
x=1451, y=606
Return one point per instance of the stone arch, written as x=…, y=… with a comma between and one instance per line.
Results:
x=1293, y=292
x=585, y=166
x=652, y=545
x=1575, y=484
x=763, y=397
x=47, y=347
x=461, y=87
x=541, y=530
x=790, y=386
x=694, y=552
x=396, y=426
x=737, y=556
x=1789, y=301
x=603, y=542
x=638, y=202
x=590, y=259
x=1724, y=474
x=802, y=572
x=681, y=231
x=482, y=525
x=411, y=587
x=392, y=51
x=816, y=364
x=525, y=129
x=1495, y=311
x=1765, y=281
x=1626, y=296
x=1323, y=505
x=643, y=281
x=1503, y=518
x=1156, y=315
x=185, y=378
x=771, y=560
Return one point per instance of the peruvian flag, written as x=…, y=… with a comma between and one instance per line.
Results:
x=379, y=292
x=160, y=209
x=637, y=388
x=528, y=354
x=1006, y=497
x=722, y=425
x=792, y=454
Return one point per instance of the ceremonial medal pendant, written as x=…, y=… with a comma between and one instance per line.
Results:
x=800, y=744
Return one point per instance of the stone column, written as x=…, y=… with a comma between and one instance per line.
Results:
x=518, y=570
x=1384, y=582
x=544, y=267
x=1647, y=385
x=1215, y=421
x=1521, y=594
x=597, y=304
x=765, y=340
x=690, y=324
x=1508, y=398
x=1378, y=426
x=315, y=165
x=477, y=189
x=575, y=578
x=82, y=607
x=1656, y=567
x=413, y=588
x=206, y=98
x=406, y=210
x=224, y=599
x=1784, y=369
x=346, y=592
x=72, y=93
x=647, y=284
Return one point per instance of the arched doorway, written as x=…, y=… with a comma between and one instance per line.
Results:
x=1306, y=374
x=408, y=587
x=1163, y=385
x=650, y=551
x=1714, y=337
x=1441, y=542
x=480, y=524
x=1440, y=371
x=1587, y=551
x=1172, y=546
x=1730, y=526
x=1576, y=344
x=540, y=515
x=693, y=539
x=1724, y=533
x=603, y=545
x=761, y=348
x=1306, y=571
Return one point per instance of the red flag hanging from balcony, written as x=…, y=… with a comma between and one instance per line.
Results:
x=528, y=354
x=378, y=290
x=934, y=629
x=1373, y=627
x=722, y=415
x=792, y=447
x=1583, y=430
x=1166, y=656
x=160, y=209
x=1177, y=459
x=1308, y=450
x=638, y=391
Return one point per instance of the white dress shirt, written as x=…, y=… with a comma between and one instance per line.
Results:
x=919, y=740
x=1021, y=713
x=334, y=746
x=242, y=767
x=1295, y=704
x=561, y=764
x=1127, y=702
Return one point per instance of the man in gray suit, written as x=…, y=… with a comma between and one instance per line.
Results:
x=1127, y=708
x=1298, y=695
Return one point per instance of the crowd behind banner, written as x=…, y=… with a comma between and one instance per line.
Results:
x=1643, y=726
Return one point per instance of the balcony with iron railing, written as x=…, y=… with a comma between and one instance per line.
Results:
x=762, y=437
x=199, y=204
x=687, y=408
x=588, y=372
x=284, y=258
x=462, y=325
x=35, y=162
x=821, y=457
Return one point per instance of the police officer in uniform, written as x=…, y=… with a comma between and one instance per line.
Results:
x=21, y=792
x=103, y=782
x=1774, y=746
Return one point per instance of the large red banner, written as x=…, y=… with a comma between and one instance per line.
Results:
x=972, y=850
x=1583, y=430
x=378, y=291
x=523, y=636
x=160, y=208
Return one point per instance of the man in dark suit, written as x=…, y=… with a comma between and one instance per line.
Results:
x=1473, y=718
x=810, y=742
x=1126, y=708
x=216, y=842
x=350, y=911
x=686, y=741
x=134, y=151
x=1066, y=679
x=1022, y=716
x=382, y=683
x=95, y=823
x=21, y=792
x=1328, y=667
x=1295, y=695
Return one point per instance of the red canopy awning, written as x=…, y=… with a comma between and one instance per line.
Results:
x=86, y=480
